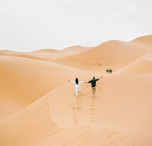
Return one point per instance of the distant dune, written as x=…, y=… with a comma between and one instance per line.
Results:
x=48, y=51
x=144, y=41
x=112, y=54
x=140, y=66
x=47, y=54
x=39, y=107
x=76, y=49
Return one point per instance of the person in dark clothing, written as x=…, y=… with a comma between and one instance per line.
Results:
x=93, y=84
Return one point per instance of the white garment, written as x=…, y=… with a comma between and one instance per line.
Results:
x=77, y=86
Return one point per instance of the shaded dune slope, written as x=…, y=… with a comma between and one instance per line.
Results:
x=144, y=41
x=46, y=54
x=112, y=54
x=141, y=66
x=33, y=126
x=25, y=80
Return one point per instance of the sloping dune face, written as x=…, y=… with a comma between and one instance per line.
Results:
x=25, y=80
x=51, y=54
x=109, y=118
x=33, y=126
x=145, y=41
x=141, y=66
x=39, y=107
x=46, y=54
x=123, y=110
x=112, y=54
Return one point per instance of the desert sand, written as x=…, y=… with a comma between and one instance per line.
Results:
x=39, y=107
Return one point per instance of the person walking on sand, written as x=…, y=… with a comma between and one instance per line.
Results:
x=77, y=83
x=93, y=84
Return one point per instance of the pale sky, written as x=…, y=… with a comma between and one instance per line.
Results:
x=28, y=25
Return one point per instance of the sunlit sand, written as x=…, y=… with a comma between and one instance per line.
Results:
x=39, y=107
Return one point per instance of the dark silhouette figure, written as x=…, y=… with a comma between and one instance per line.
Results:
x=93, y=84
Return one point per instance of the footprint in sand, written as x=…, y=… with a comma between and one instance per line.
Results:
x=74, y=114
x=76, y=107
x=111, y=134
x=112, y=142
x=93, y=109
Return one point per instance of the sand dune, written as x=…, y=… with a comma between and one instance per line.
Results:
x=68, y=50
x=48, y=51
x=142, y=65
x=46, y=54
x=24, y=80
x=111, y=118
x=6, y=52
x=75, y=49
x=145, y=41
x=121, y=100
x=38, y=106
x=117, y=111
x=112, y=54
x=51, y=54
x=33, y=126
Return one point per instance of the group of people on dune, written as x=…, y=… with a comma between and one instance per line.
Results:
x=77, y=83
